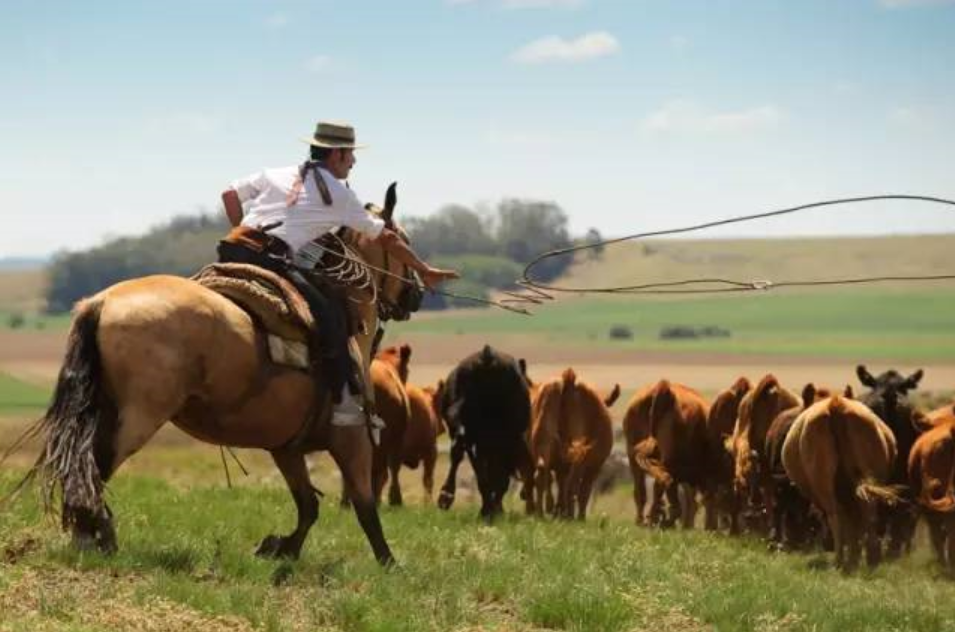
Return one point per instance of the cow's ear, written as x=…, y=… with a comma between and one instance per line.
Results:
x=522, y=363
x=808, y=395
x=405, y=351
x=913, y=380
x=848, y=393
x=864, y=376
x=391, y=199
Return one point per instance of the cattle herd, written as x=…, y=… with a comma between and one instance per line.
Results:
x=821, y=468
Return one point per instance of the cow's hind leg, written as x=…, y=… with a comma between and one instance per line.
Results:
x=585, y=490
x=394, y=487
x=427, y=475
x=639, y=491
x=295, y=471
x=446, y=497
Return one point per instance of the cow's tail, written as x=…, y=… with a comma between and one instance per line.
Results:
x=766, y=385
x=73, y=458
x=578, y=448
x=937, y=494
x=849, y=489
x=647, y=452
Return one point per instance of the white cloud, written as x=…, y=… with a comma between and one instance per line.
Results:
x=277, y=21
x=194, y=123
x=683, y=116
x=526, y=4
x=542, y=4
x=906, y=4
x=918, y=117
x=678, y=42
x=845, y=88
x=318, y=63
x=585, y=47
x=520, y=139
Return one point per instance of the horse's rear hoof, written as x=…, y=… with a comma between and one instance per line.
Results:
x=277, y=547
x=85, y=542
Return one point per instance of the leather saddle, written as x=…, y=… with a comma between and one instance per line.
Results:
x=271, y=300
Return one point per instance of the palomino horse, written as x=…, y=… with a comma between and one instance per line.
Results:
x=163, y=348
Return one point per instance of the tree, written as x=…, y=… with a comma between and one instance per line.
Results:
x=594, y=239
x=529, y=228
x=453, y=230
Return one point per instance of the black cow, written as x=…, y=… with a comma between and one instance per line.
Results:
x=888, y=399
x=486, y=405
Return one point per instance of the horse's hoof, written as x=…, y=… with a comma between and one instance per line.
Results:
x=276, y=547
x=107, y=546
x=445, y=500
x=84, y=542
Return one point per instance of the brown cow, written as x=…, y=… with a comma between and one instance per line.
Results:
x=571, y=435
x=389, y=370
x=420, y=444
x=751, y=478
x=931, y=471
x=718, y=496
x=840, y=454
x=665, y=429
x=792, y=517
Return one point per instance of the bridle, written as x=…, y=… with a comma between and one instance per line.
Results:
x=409, y=298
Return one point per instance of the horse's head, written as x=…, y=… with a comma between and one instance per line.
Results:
x=399, y=290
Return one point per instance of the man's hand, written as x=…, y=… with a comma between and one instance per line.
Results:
x=433, y=276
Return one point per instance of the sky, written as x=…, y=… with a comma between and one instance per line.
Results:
x=632, y=115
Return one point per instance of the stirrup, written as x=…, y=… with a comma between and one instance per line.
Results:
x=376, y=423
x=348, y=413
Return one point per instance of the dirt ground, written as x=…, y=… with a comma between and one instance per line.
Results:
x=36, y=357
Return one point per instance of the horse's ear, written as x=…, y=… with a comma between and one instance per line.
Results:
x=391, y=199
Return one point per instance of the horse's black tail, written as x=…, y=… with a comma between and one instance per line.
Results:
x=78, y=425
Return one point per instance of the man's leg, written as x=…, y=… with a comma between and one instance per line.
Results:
x=332, y=334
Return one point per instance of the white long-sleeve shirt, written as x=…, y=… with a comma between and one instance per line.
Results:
x=265, y=196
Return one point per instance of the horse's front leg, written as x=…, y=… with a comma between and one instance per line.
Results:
x=446, y=497
x=294, y=469
x=351, y=448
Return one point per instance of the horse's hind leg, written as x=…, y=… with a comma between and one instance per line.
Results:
x=295, y=471
x=117, y=437
x=352, y=450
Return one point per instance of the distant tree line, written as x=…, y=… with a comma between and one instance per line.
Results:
x=489, y=247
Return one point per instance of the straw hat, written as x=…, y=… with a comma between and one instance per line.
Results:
x=333, y=136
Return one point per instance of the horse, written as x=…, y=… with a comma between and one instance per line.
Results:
x=159, y=348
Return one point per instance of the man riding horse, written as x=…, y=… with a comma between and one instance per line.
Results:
x=286, y=210
x=198, y=352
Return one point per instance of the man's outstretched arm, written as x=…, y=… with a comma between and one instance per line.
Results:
x=431, y=276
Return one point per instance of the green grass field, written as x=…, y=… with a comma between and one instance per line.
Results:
x=18, y=397
x=857, y=323
x=186, y=562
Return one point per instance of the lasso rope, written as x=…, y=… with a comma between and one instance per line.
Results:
x=540, y=291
